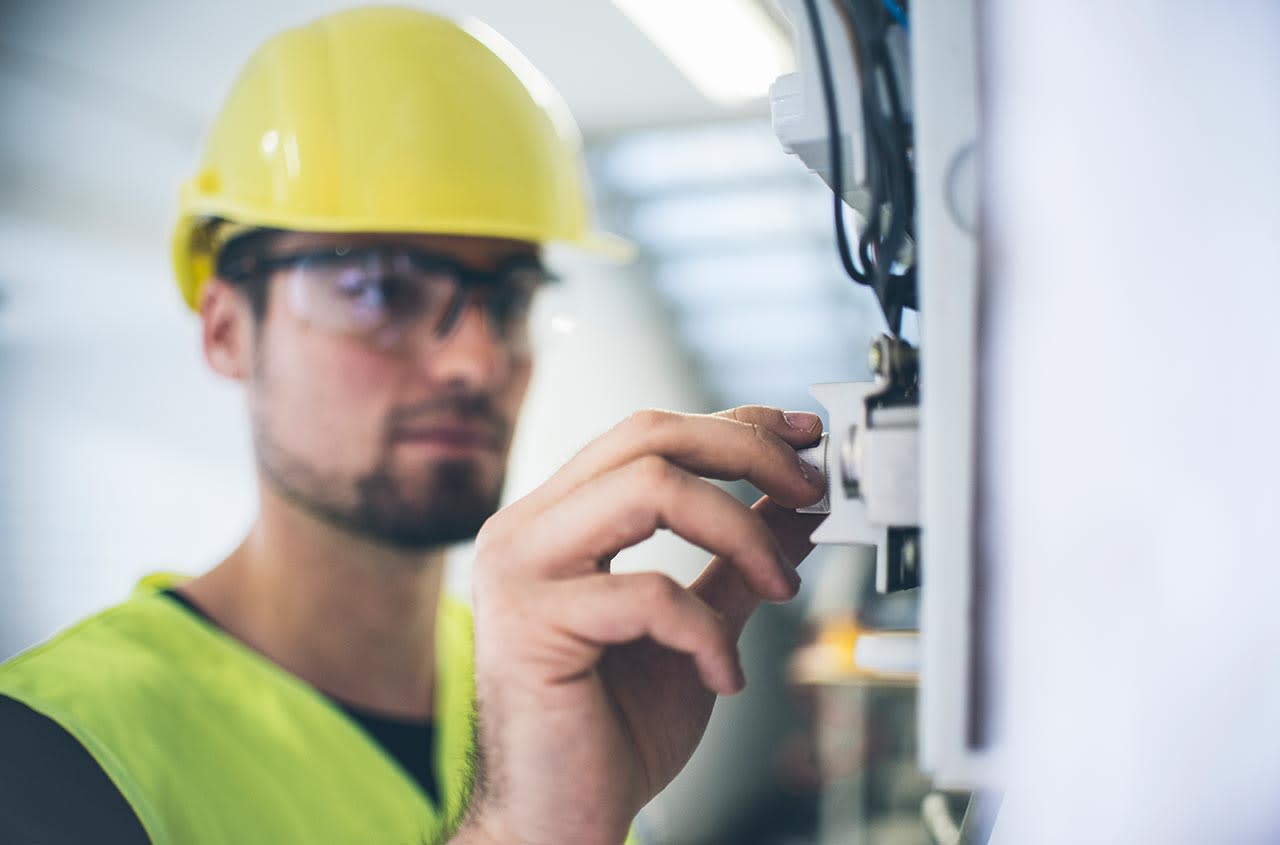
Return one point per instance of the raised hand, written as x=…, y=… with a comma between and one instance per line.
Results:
x=595, y=688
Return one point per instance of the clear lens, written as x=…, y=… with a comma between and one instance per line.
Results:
x=387, y=296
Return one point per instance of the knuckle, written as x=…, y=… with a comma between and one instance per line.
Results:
x=638, y=520
x=652, y=471
x=647, y=421
x=660, y=589
x=635, y=520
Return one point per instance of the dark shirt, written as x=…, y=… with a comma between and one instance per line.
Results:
x=53, y=791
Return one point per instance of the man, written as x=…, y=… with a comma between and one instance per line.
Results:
x=362, y=242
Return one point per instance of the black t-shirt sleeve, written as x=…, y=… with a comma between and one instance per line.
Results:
x=52, y=791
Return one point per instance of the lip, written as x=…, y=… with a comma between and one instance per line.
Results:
x=450, y=438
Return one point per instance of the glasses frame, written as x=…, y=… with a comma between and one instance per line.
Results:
x=470, y=281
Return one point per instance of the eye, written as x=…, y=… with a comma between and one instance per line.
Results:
x=362, y=290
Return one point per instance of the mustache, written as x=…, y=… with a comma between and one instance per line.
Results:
x=469, y=409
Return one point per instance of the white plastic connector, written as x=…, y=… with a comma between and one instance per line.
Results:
x=816, y=457
x=798, y=108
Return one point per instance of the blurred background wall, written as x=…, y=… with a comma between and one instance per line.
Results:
x=122, y=454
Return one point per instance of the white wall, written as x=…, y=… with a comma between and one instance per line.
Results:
x=1134, y=186
x=122, y=453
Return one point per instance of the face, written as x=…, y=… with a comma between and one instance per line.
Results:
x=404, y=443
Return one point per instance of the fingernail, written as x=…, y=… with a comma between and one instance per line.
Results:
x=800, y=420
x=810, y=472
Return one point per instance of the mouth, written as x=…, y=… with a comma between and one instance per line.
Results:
x=449, y=438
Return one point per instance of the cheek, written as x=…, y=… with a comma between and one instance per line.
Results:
x=511, y=397
x=351, y=373
x=326, y=397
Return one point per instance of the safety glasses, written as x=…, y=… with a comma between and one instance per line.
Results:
x=391, y=295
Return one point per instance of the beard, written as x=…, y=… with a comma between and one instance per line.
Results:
x=451, y=507
x=447, y=503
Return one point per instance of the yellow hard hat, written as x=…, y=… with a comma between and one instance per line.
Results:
x=389, y=119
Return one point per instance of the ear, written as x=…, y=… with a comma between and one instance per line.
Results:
x=227, y=330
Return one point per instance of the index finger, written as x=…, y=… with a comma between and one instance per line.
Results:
x=753, y=443
x=797, y=428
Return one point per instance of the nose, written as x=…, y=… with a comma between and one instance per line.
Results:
x=470, y=356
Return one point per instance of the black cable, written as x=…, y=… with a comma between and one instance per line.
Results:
x=903, y=130
x=888, y=139
x=834, y=146
x=880, y=175
x=900, y=129
x=900, y=205
x=901, y=288
x=888, y=170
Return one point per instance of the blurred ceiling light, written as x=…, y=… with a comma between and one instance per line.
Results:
x=731, y=50
x=563, y=324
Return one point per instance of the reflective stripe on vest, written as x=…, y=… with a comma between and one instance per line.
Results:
x=209, y=741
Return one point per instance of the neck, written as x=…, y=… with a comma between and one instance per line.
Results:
x=353, y=618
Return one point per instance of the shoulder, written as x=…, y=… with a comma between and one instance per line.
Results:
x=120, y=648
x=53, y=790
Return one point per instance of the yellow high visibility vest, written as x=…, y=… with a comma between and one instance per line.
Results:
x=210, y=742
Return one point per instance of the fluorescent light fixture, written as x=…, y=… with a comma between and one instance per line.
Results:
x=731, y=50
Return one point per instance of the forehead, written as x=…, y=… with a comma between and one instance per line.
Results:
x=467, y=250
